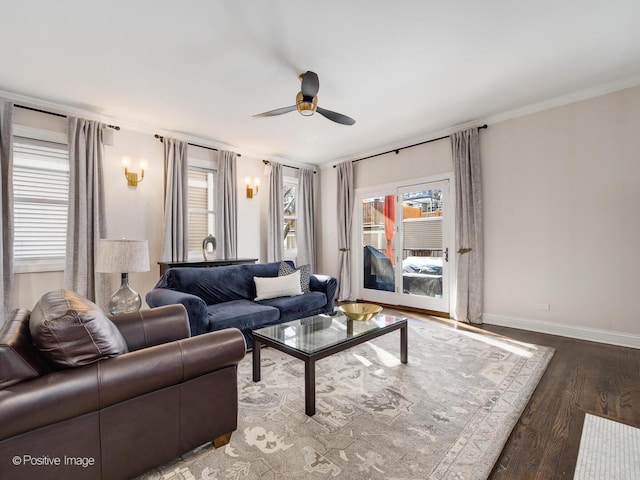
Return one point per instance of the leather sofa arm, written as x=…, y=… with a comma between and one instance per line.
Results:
x=196, y=308
x=212, y=351
x=147, y=328
x=48, y=399
x=73, y=392
x=128, y=376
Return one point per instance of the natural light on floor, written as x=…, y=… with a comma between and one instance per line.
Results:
x=502, y=343
x=362, y=360
x=387, y=359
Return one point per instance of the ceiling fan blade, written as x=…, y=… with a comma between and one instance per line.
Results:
x=335, y=117
x=310, y=84
x=277, y=111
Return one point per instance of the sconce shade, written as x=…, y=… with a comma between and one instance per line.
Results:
x=122, y=256
x=251, y=189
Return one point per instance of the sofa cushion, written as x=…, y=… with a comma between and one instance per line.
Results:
x=292, y=308
x=305, y=274
x=71, y=331
x=272, y=287
x=244, y=315
x=18, y=356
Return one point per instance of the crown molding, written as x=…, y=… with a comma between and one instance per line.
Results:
x=493, y=119
x=555, y=102
x=574, y=97
x=89, y=114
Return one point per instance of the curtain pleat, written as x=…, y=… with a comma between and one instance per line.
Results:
x=86, y=222
x=175, y=246
x=6, y=203
x=345, y=216
x=306, y=234
x=275, y=232
x=469, y=227
x=227, y=206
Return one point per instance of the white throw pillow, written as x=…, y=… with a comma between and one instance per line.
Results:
x=272, y=287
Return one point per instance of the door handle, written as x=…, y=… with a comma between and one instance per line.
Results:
x=446, y=254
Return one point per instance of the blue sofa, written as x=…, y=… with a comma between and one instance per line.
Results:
x=223, y=297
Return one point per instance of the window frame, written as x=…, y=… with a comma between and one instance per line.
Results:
x=210, y=167
x=290, y=253
x=33, y=264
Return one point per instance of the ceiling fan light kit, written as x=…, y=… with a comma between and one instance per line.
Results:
x=307, y=102
x=304, y=106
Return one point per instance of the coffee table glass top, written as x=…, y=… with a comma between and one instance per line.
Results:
x=313, y=334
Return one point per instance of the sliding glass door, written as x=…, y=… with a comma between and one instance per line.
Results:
x=405, y=242
x=424, y=247
x=378, y=250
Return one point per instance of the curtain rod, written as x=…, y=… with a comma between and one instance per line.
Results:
x=161, y=138
x=397, y=150
x=267, y=162
x=115, y=127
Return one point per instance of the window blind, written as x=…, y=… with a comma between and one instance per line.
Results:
x=200, y=206
x=423, y=233
x=40, y=189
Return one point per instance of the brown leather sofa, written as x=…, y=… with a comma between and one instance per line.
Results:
x=118, y=417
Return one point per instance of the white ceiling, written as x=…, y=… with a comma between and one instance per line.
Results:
x=403, y=69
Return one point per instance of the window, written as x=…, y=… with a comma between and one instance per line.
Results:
x=201, y=208
x=40, y=194
x=290, y=188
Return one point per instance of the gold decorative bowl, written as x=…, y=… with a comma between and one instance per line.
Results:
x=360, y=311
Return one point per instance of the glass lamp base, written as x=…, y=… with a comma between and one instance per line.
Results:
x=125, y=300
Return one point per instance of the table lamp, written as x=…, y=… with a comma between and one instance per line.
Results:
x=123, y=256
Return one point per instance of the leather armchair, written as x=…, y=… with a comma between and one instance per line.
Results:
x=118, y=417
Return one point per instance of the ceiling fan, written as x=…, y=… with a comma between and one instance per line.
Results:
x=307, y=102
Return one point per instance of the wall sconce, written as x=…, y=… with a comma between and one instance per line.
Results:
x=252, y=189
x=132, y=177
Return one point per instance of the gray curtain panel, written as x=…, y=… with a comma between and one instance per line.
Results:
x=86, y=223
x=345, y=217
x=6, y=202
x=227, y=206
x=469, y=231
x=275, y=225
x=306, y=235
x=175, y=247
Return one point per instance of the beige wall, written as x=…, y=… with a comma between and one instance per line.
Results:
x=562, y=226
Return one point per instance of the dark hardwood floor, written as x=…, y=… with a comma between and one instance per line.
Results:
x=583, y=377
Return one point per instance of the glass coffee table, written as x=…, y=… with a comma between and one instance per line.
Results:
x=313, y=338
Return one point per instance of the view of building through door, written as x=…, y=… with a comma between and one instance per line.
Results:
x=405, y=247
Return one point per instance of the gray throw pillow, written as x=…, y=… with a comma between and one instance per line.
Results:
x=305, y=273
x=71, y=331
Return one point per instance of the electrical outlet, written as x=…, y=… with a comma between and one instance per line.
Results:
x=542, y=306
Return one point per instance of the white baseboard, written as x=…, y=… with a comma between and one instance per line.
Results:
x=582, y=333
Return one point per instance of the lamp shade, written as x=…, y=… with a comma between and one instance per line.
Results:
x=122, y=256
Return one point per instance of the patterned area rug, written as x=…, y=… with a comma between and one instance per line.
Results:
x=444, y=415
